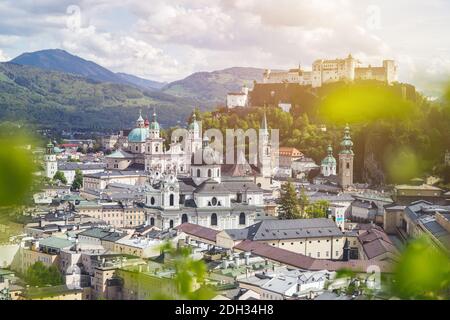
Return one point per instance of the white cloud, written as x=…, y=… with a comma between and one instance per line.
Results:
x=120, y=53
x=3, y=57
x=166, y=40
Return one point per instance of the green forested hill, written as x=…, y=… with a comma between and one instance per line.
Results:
x=211, y=88
x=58, y=100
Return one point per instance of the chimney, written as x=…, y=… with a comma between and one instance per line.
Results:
x=236, y=260
x=247, y=258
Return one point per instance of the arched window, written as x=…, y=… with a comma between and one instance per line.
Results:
x=348, y=165
x=152, y=201
x=152, y=221
x=171, y=224
x=184, y=218
x=214, y=219
x=198, y=173
x=242, y=218
x=171, y=200
x=209, y=173
x=156, y=149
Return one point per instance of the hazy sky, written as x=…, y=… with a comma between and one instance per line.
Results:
x=168, y=40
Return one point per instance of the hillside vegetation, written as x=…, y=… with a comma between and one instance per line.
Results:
x=63, y=101
x=396, y=137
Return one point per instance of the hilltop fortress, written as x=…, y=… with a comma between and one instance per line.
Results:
x=327, y=71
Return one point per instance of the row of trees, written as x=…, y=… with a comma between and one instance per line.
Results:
x=300, y=207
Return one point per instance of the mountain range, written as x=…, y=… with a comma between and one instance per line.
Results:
x=62, y=61
x=55, y=89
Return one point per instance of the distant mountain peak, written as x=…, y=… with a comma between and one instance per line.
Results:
x=63, y=61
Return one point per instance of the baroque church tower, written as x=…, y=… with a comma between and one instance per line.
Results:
x=51, y=165
x=346, y=160
x=328, y=165
x=265, y=150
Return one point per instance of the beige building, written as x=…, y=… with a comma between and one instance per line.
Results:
x=139, y=247
x=287, y=155
x=405, y=194
x=46, y=251
x=420, y=217
x=99, y=181
x=116, y=214
x=55, y=293
x=315, y=238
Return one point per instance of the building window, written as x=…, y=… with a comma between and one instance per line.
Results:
x=198, y=173
x=242, y=218
x=214, y=219
x=184, y=218
x=214, y=201
x=348, y=165
x=209, y=173
x=152, y=201
x=171, y=224
x=171, y=200
x=239, y=198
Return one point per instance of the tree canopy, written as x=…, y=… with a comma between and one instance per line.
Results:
x=40, y=275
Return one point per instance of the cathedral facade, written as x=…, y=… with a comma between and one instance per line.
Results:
x=146, y=150
x=206, y=197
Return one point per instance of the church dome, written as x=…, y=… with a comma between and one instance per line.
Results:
x=329, y=160
x=154, y=126
x=138, y=135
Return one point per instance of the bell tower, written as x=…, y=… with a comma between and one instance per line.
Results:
x=346, y=160
x=265, y=150
x=51, y=165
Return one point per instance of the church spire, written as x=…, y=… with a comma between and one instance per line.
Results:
x=264, y=123
x=347, y=142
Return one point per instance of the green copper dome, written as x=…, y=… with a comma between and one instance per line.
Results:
x=329, y=160
x=138, y=135
x=154, y=125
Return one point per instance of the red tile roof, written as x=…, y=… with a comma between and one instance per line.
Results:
x=303, y=262
x=198, y=231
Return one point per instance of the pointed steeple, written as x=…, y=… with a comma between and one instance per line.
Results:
x=264, y=125
x=140, y=121
x=154, y=125
x=140, y=116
